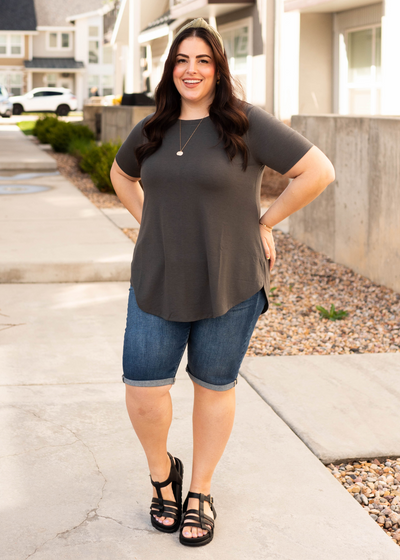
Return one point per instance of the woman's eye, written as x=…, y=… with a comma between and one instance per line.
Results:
x=205, y=61
x=180, y=60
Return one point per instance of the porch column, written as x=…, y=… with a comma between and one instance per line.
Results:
x=80, y=97
x=132, y=79
x=390, y=54
x=29, y=81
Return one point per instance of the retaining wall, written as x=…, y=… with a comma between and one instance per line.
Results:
x=118, y=120
x=356, y=220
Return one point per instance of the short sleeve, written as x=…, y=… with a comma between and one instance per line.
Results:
x=126, y=157
x=273, y=143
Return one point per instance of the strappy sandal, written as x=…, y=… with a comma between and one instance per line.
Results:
x=197, y=518
x=167, y=508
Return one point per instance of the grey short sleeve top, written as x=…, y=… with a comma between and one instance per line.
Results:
x=199, y=251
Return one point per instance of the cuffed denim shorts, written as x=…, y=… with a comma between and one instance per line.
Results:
x=153, y=346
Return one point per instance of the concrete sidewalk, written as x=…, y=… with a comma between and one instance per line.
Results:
x=58, y=235
x=342, y=407
x=17, y=152
x=74, y=479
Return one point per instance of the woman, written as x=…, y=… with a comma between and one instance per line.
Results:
x=200, y=270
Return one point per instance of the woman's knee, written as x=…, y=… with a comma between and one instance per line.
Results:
x=145, y=397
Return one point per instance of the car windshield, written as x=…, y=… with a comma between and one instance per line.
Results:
x=3, y=91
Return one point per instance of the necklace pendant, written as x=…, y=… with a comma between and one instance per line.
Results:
x=180, y=153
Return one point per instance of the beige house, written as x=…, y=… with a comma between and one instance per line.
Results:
x=57, y=44
x=344, y=56
x=292, y=56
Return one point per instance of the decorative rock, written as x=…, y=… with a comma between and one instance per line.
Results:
x=374, y=517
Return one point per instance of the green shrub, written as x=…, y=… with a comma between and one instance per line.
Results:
x=97, y=161
x=82, y=131
x=60, y=136
x=78, y=147
x=332, y=314
x=43, y=127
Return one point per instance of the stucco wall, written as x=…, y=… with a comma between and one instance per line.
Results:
x=315, y=74
x=40, y=47
x=356, y=220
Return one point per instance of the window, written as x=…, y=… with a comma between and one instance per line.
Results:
x=11, y=45
x=15, y=84
x=107, y=83
x=107, y=54
x=51, y=80
x=65, y=40
x=93, y=82
x=93, y=52
x=53, y=40
x=238, y=49
x=59, y=41
x=3, y=44
x=364, y=71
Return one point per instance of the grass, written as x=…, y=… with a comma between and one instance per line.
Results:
x=27, y=127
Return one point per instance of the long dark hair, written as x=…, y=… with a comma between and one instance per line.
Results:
x=226, y=111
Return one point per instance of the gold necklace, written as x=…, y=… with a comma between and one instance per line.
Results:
x=180, y=152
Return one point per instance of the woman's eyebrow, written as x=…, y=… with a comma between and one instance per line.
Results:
x=198, y=56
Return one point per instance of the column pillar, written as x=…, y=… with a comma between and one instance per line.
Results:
x=390, y=100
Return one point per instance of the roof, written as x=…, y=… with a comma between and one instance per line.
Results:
x=164, y=19
x=17, y=15
x=54, y=63
x=55, y=12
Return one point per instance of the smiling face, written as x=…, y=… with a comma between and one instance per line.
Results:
x=195, y=72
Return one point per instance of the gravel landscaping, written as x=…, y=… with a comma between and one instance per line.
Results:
x=301, y=280
x=376, y=486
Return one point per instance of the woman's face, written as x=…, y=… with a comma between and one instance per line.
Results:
x=194, y=72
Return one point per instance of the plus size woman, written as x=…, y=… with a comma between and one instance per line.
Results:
x=201, y=264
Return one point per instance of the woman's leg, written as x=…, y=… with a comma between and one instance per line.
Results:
x=150, y=411
x=213, y=416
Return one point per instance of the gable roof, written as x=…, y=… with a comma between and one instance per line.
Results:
x=17, y=15
x=55, y=12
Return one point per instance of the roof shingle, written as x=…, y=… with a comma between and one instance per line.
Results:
x=54, y=63
x=17, y=15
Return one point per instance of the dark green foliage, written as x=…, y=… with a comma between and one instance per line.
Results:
x=78, y=147
x=60, y=134
x=43, y=127
x=97, y=161
x=332, y=314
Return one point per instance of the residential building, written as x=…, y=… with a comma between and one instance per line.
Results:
x=17, y=29
x=345, y=57
x=291, y=56
x=60, y=43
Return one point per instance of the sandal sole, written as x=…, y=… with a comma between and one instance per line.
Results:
x=172, y=528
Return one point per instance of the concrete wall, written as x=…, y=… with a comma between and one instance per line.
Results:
x=316, y=58
x=356, y=220
x=117, y=121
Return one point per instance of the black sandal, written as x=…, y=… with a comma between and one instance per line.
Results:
x=197, y=518
x=167, y=508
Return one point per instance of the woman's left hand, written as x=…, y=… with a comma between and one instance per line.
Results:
x=269, y=245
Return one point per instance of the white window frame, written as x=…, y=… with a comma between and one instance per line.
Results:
x=59, y=46
x=8, y=46
x=245, y=22
x=374, y=85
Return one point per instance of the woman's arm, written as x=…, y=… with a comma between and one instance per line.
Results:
x=311, y=175
x=128, y=190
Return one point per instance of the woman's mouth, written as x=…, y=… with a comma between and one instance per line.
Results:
x=191, y=83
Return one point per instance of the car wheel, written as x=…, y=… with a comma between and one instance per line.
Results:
x=17, y=109
x=63, y=110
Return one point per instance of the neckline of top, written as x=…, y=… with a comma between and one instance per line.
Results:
x=194, y=120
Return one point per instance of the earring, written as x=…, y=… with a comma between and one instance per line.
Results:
x=218, y=80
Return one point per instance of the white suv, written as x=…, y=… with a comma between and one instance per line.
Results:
x=55, y=100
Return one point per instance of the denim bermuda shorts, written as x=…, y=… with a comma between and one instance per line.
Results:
x=153, y=346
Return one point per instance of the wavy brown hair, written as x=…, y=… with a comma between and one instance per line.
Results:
x=226, y=111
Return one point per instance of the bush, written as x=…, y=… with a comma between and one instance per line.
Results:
x=78, y=147
x=97, y=161
x=61, y=135
x=43, y=127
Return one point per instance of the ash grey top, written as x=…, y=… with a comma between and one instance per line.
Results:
x=199, y=251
